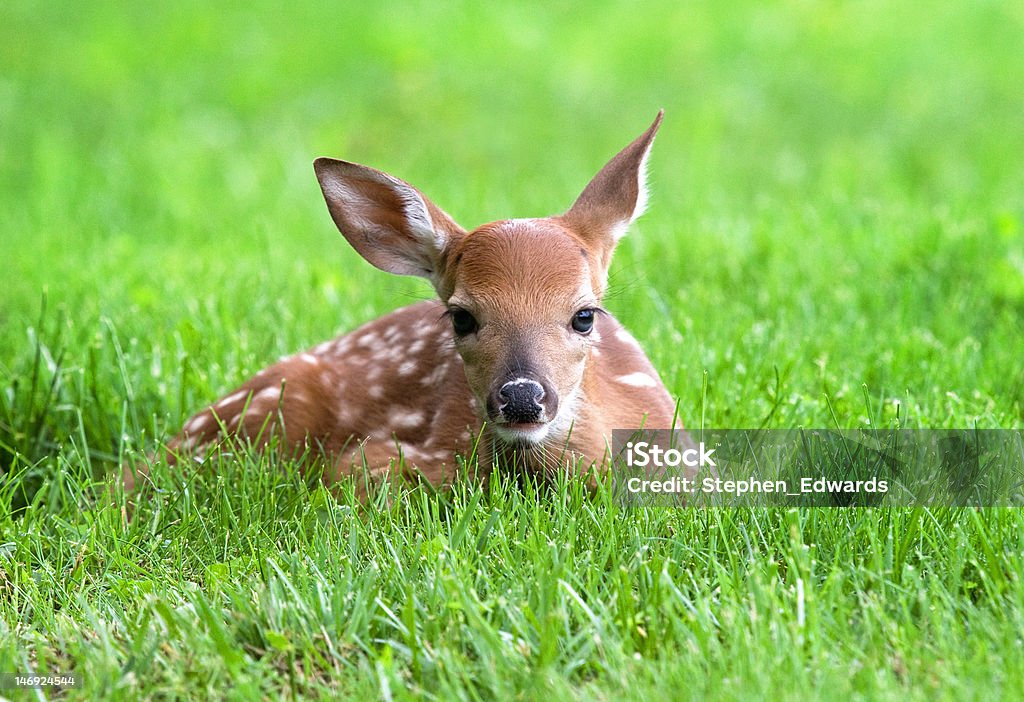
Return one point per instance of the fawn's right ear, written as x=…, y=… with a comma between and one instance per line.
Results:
x=390, y=223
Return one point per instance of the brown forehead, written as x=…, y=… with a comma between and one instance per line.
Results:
x=530, y=259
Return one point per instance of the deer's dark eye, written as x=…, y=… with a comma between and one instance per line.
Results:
x=583, y=321
x=463, y=322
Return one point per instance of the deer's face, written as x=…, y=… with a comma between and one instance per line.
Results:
x=524, y=298
x=522, y=295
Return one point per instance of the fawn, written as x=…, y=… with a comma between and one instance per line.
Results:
x=517, y=364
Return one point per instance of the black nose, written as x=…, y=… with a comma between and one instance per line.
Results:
x=521, y=401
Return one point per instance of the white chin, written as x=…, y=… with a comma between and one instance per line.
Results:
x=529, y=434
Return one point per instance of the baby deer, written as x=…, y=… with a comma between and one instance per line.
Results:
x=517, y=364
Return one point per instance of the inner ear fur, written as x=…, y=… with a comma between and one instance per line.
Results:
x=388, y=221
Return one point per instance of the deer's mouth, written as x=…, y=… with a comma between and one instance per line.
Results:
x=522, y=432
x=523, y=427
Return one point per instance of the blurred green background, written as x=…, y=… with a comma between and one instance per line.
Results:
x=836, y=208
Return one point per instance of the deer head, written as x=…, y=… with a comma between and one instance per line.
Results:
x=522, y=295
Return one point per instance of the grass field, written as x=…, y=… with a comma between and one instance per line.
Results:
x=835, y=238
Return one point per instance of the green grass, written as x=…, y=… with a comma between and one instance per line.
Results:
x=834, y=238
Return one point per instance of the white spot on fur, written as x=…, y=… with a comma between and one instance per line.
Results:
x=520, y=223
x=416, y=346
x=638, y=380
x=233, y=397
x=197, y=424
x=407, y=368
x=323, y=348
x=341, y=346
x=272, y=394
x=404, y=419
x=412, y=453
x=369, y=340
x=435, y=376
x=309, y=358
x=375, y=391
x=424, y=329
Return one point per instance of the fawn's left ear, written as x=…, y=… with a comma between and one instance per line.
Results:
x=615, y=197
